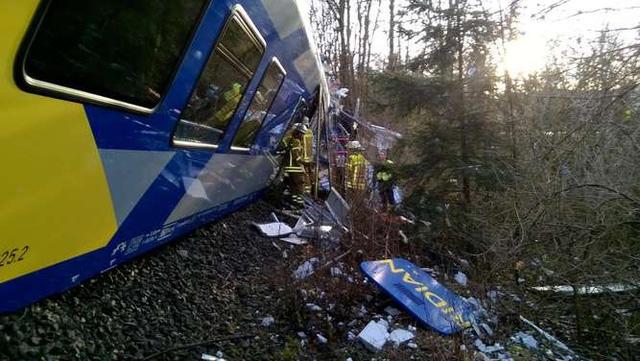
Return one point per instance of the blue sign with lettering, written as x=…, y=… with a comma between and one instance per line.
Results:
x=420, y=295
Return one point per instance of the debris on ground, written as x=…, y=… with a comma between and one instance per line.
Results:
x=529, y=341
x=268, y=321
x=461, y=278
x=321, y=339
x=400, y=336
x=295, y=240
x=392, y=311
x=274, y=229
x=420, y=294
x=306, y=269
x=374, y=336
x=587, y=290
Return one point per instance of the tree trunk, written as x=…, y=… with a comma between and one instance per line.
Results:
x=392, y=28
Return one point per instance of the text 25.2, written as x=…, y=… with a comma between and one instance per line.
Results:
x=9, y=257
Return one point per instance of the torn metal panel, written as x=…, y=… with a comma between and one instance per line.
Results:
x=339, y=208
x=420, y=295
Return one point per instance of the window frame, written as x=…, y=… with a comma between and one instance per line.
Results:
x=44, y=88
x=247, y=25
x=274, y=61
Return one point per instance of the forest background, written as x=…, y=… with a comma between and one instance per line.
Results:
x=521, y=146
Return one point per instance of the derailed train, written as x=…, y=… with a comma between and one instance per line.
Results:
x=126, y=124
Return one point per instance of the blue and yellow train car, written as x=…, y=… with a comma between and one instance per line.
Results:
x=126, y=124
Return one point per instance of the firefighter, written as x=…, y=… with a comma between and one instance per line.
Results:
x=307, y=154
x=294, y=167
x=385, y=180
x=231, y=99
x=356, y=168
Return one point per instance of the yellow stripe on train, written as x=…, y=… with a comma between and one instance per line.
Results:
x=55, y=202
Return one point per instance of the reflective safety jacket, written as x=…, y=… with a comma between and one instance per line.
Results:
x=307, y=147
x=356, y=172
x=293, y=158
x=232, y=98
x=384, y=176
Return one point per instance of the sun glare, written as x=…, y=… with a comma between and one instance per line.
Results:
x=524, y=57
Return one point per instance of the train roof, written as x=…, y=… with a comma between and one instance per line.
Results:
x=288, y=17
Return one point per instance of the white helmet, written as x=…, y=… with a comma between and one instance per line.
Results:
x=354, y=145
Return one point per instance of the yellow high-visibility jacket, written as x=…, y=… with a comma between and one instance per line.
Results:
x=232, y=98
x=356, y=172
x=307, y=147
x=293, y=159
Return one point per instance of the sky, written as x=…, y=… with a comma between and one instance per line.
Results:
x=563, y=24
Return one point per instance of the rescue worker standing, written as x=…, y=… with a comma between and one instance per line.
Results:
x=307, y=155
x=385, y=180
x=293, y=164
x=356, y=168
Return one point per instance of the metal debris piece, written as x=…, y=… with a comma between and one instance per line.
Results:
x=374, y=336
x=293, y=239
x=587, y=290
x=313, y=307
x=487, y=349
x=400, y=336
x=420, y=294
x=461, y=278
x=338, y=207
x=275, y=229
x=546, y=335
x=306, y=269
x=392, y=311
x=268, y=321
x=321, y=339
x=529, y=341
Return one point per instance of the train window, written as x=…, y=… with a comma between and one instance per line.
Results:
x=260, y=105
x=113, y=52
x=221, y=85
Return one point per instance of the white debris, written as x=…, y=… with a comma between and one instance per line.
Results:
x=392, y=311
x=302, y=335
x=486, y=329
x=463, y=262
x=587, y=290
x=313, y=307
x=183, y=253
x=336, y=272
x=293, y=239
x=361, y=312
x=400, y=336
x=529, y=341
x=546, y=335
x=412, y=345
x=487, y=349
x=405, y=239
x=461, y=278
x=374, y=336
x=268, y=321
x=306, y=269
x=351, y=336
x=384, y=323
x=275, y=229
x=349, y=359
x=321, y=338
x=217, y=357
